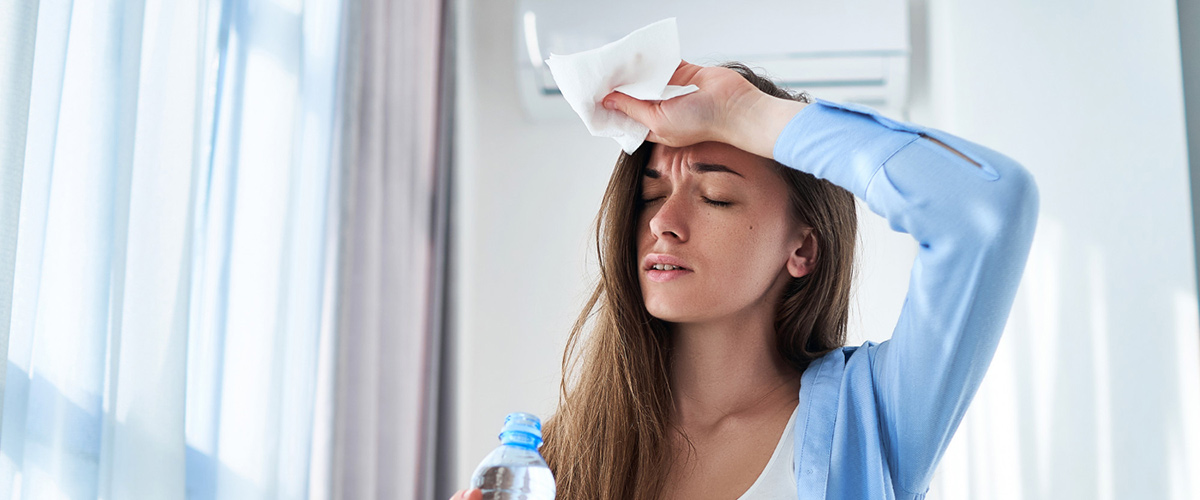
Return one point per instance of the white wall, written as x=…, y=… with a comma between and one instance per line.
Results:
x=1097, y=374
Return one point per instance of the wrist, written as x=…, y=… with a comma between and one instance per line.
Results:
x=757, y=122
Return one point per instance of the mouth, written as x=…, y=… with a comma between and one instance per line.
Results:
x=666, y=275
x=663, y=268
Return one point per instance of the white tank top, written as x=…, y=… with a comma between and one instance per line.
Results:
x=777, y=481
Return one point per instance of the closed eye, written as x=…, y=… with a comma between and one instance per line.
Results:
x=714, y=203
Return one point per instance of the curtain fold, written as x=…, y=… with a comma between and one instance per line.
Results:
x=18, y=31
x=171, y=313
x=393, y=248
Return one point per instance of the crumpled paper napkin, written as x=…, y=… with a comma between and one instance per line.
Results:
x=639, y=65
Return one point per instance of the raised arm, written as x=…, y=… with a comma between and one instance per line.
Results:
x=752, y=122
x=973, y=219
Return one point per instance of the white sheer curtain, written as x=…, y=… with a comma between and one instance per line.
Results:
x=170, y=329
x=394, y=245
x=18, y=27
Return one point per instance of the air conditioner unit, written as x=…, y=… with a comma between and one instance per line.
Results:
x=840, y=50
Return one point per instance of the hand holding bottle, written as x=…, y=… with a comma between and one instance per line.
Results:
x=515, y=469
x=472, y=494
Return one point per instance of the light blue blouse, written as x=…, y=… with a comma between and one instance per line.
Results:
x=874, y=420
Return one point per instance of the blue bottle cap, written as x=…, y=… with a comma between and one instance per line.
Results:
x=522, y=429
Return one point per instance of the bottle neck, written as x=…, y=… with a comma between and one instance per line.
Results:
x=520, y=440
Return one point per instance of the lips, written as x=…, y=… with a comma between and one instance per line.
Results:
x=654, y=259
x=664, y=276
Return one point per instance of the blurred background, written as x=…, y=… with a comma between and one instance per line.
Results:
x=320, y=248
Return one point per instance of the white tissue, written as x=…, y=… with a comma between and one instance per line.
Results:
x=639, y=65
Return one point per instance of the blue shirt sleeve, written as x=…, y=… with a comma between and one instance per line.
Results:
x=974, y=226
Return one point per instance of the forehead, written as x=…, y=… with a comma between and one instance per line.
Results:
x=667, y=161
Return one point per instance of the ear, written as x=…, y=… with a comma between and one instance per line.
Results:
x=803, y=258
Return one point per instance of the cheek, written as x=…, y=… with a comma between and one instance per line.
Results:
x=642, y=233
x=754, y=250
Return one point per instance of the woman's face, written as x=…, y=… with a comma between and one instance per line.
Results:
x=723, y=215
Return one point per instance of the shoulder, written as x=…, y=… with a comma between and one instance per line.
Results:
x=830, y=378
x=844, y=358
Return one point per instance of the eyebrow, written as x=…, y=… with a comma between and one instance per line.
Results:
x=700, y=168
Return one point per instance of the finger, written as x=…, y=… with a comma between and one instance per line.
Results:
x=475, y=494
x=641, y=111
x=457, y=495
x=684, y=73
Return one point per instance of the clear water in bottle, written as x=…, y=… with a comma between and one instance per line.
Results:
x=515, y=470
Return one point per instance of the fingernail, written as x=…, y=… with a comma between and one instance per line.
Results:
x=608, y=103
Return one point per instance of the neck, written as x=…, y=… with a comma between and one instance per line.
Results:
x=729, y=368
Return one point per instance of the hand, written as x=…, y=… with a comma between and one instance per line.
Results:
x=727, y=109
x=473, y=494
x=700, y=116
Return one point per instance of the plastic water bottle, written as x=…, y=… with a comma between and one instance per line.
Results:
x=515, y=470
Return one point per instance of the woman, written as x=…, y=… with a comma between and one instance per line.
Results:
x=715, y=367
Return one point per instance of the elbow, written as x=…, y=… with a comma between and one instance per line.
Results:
x=1023, y=199
x=1015, y=204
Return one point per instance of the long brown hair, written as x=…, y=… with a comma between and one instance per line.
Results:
x=609, y=438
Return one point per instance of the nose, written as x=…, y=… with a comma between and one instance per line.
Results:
x=670, y=221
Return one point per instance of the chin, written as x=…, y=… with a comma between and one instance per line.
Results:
x=672, y=314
